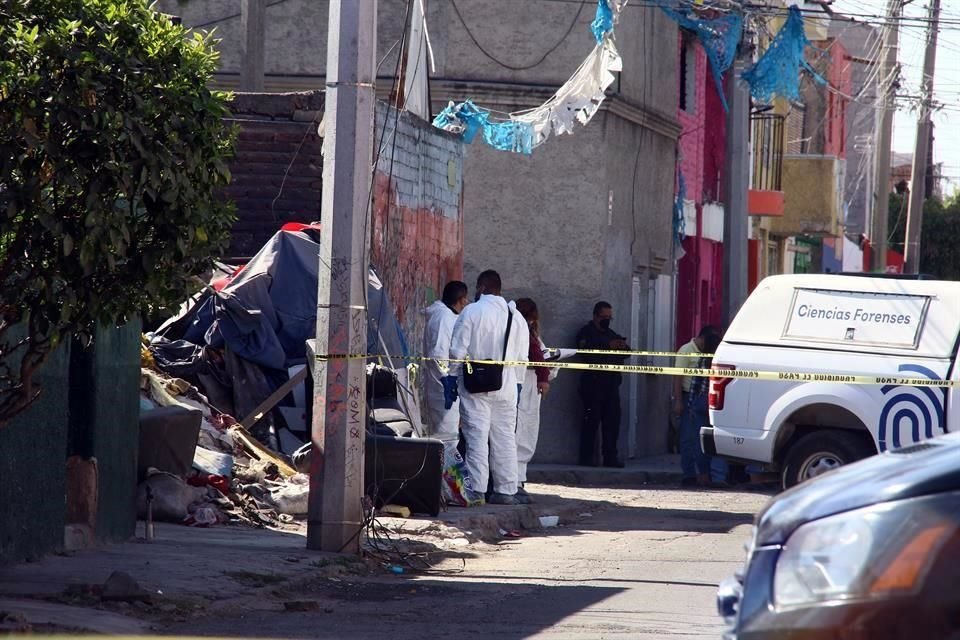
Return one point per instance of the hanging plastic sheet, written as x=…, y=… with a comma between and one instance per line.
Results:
x=509, y=136
x=576, y=101
x=464, y=119
x=603, y=22
x=719, y=36
x=777, y=72
x=579, y=98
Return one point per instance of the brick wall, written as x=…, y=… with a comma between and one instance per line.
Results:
x=417, y=231
x=277, y=171
x=691, y=142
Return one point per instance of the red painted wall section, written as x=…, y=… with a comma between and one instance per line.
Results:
x=701, y=149
x=714, y=140
x=840, y=76
x=699, y=294
x=416, y=235
x=691, y=142
x=416, y=250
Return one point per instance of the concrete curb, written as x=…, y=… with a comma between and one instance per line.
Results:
x=602, y=477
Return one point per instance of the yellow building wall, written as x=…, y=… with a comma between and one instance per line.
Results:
x=812, y=196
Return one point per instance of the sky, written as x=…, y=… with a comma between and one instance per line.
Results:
x=946, y=84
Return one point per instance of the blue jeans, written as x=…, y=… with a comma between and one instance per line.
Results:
x=693, y=461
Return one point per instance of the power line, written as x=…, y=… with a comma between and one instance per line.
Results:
x=509, y=66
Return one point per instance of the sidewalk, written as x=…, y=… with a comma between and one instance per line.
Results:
x=661, y=469
x=188, y=572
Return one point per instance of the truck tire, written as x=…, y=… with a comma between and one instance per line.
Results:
x=822, y=451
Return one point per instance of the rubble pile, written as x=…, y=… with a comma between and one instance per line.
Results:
x=224, y=425
x=229, y=481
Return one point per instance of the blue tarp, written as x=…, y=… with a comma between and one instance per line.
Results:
x=266, y=314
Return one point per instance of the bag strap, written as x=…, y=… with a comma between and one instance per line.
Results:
x=506, y=338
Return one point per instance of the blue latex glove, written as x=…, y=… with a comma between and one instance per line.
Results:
x=450, y=393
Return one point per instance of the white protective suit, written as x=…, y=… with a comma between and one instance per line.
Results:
x=490, y=419
x=528, y=419
x=444, y=424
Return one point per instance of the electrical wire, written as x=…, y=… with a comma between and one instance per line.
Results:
x=506, y=65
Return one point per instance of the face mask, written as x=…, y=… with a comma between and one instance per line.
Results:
x=604, y=323
x=476, y=298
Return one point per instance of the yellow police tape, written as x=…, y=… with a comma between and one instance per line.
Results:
x=777, y=376
x=648, y=354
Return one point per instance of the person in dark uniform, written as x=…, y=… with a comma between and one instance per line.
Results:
x=600, y=390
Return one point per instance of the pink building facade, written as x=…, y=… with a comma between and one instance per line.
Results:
x=700, y=161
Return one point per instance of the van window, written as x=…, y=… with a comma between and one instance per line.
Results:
x=857, y=317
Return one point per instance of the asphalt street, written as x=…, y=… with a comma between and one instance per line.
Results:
x=647, y=568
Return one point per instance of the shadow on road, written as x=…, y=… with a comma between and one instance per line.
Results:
x=403, y=609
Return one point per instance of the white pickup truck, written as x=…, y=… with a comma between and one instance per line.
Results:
x=821, y=327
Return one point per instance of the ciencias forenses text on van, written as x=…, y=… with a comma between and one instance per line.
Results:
x=821, y=333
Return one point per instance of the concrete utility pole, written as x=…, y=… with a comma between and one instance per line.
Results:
x=340, y=406
x=252, y=14
x=886, y=91
x=736, y=184
x=921, y=150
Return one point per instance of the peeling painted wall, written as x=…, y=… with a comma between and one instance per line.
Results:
x=416, y=240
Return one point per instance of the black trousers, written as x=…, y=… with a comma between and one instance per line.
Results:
x=601, y=408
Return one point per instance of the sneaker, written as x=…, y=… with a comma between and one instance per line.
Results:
x=503, y=498
x=474, y=499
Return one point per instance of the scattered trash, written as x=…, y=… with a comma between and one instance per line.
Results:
x=549, y=521
x=203, y=516
x=396, y=569
x=396, y=510
x=213, y=462
x=171, y=496
x=293, y=496
x=458, y=542
x=586, y=515
x=454, y=478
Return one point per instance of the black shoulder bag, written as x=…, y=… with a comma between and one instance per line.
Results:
x=484, y=378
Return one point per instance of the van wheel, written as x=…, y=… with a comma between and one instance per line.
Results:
x=817, y=453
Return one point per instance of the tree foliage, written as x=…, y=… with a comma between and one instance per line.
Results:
x=939, y=237
x=111, y=149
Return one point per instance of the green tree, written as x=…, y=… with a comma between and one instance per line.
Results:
x=939, y=238
x=111, y=150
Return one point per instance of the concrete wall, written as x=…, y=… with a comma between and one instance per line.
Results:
x=417, y=231
x=574, y=228
x=33, y=452
x=514, y=34
x=104, y=423
x=89, y=408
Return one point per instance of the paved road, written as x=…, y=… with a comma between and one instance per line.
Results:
x=645, y=569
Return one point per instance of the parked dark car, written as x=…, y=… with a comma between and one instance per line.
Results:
x=869, y=551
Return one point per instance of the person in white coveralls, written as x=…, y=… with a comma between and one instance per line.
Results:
x=440, y=317
x=489, y=329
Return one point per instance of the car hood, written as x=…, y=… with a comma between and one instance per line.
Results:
x=932, y=466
